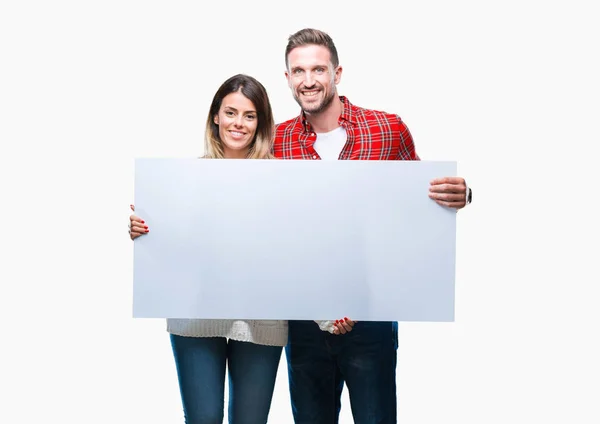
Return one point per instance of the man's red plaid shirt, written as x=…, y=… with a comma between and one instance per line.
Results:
x=372, y=135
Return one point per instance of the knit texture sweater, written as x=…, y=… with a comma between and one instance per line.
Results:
x=263, y=332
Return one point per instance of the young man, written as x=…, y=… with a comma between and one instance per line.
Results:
x=363, y=355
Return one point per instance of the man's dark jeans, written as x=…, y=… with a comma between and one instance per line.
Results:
x=319, y=363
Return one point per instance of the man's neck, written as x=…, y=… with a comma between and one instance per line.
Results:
x=327, y=120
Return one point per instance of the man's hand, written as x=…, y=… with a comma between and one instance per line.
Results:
x=449, y=191
x=343, y=326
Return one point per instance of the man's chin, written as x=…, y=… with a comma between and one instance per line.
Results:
x=311, y=107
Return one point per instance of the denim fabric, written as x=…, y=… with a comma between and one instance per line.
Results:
x=201, y=362
x=319, y=363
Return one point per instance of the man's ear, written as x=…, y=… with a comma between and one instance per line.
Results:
x=338, y=74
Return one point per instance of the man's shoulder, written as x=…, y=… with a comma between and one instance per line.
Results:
x=288, y=125
x=366, y=114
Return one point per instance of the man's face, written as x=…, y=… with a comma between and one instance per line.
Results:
x=312, y=78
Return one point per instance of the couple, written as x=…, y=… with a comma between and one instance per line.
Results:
x=321, y=355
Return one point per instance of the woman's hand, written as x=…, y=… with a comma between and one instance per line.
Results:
x=137, y=226
x=343, y=326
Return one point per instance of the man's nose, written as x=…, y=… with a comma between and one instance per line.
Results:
x=308, y=79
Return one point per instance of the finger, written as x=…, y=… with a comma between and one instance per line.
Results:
x=448, y=197
x=343, y=325
x=448, y=180
x=448, y=188
x=453, y=205
x=134, y=234
x=349, y=322
x=136, y=218
x=346, y=326
x=336, y=328
x=139, y=228
x=339, y=326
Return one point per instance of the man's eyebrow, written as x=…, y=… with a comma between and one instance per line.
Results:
x=293, y=68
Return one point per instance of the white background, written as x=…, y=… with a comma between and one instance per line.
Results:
x=510, y=90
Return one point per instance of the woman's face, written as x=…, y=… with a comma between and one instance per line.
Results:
x=237, y=120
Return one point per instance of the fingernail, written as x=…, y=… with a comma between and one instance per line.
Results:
x=345, y=319
x=146, y=227
x=337, y=321
x=143, y=222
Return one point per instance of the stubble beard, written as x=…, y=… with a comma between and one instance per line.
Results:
x=315, y=108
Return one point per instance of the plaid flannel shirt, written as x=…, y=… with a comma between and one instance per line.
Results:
x=371, y=135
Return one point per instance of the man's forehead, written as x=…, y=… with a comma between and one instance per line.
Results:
x=310, y=55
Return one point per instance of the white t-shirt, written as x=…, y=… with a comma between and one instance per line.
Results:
x=329, y=145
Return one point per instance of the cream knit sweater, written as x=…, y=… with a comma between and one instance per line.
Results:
x=265, y=332
x=270, y=333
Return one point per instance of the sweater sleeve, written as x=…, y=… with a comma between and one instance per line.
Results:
x=325, y=325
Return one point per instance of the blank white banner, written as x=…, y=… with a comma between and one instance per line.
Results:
x=293, y=239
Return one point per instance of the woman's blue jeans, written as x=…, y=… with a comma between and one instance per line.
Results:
x=201, y=362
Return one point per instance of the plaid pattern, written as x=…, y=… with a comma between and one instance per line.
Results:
x=372, y=135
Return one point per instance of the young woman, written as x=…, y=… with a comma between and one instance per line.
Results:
x=239, y=125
